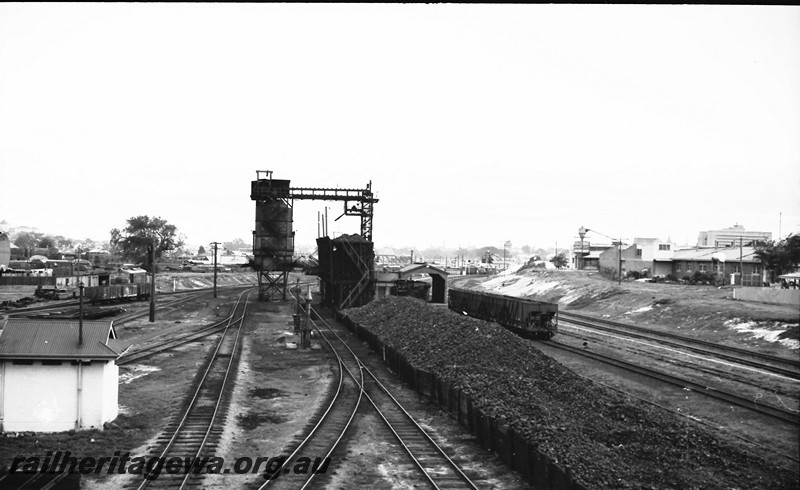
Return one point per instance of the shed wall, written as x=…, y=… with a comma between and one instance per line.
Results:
x=44, y=398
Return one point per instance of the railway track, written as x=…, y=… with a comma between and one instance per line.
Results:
x=194, y=433
x=40, y=481
x=327, y=432
x=770, y=383
x=782, y=414
x=775, y=364
x=433, y=467
x=138, y=355
x=71, y=306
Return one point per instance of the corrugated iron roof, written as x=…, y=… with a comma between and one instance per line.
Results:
x=730, y=254
x=56, y=339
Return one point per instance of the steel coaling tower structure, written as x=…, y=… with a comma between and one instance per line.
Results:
x=273, y=238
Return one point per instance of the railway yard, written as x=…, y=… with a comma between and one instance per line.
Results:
x=712, y=401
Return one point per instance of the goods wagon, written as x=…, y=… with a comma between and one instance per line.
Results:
x=525, y=317
x=116, y=293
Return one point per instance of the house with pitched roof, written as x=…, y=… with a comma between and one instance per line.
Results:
x=57, y=375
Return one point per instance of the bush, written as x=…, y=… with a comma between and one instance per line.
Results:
x=633, y=275
x=701, y=278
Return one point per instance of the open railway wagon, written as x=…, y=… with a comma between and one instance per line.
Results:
x=525, y=317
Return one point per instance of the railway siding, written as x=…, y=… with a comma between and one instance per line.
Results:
x=527, y=407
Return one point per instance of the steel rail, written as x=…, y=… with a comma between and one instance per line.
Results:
x=221, y=393
x=778, y=413
x=408, y=418
x=168, y=344
x=342, y=368
x=707, y=364
x=781, y=365
x=145, y=482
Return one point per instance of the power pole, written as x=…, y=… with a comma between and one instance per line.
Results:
x=152, y=280
x=215, y=267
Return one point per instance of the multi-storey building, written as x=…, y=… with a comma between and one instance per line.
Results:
x=731, y=236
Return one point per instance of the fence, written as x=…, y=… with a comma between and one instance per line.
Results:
x=768, y=295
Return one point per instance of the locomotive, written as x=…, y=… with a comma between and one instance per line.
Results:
x=526, y=317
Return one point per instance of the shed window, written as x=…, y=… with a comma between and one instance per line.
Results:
x=22, y=362
x=663, y=246
x=50, y=362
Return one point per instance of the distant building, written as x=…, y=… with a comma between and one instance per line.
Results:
x=651, y=257
x=387, y=259
x=731, y=236
x=588, y=258
x=54, y=379
x=732, y=264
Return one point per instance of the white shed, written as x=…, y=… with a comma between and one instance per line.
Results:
x=56, y=376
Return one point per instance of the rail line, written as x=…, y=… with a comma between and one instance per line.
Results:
x=775, y=364
x=329, y=430
x=195, y=434
x=72, y=305
x=434, y=466
x=782, y=414
x=38, y=481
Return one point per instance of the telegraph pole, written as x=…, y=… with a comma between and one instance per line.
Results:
x=152, y=280
x=80, y=301
x=215, y=267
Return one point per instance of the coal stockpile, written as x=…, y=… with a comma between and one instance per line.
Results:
x=607, y=439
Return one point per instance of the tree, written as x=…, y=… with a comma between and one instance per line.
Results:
x=560, y=261
x=142, y=236
x=27, y=239
x=47, y=242
x=63, y=243
x=201, y=250
x=779, y=257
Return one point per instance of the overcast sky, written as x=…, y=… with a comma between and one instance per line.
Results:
x=476, y=124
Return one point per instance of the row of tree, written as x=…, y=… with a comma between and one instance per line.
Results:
x=141, y=237
x=27, y=240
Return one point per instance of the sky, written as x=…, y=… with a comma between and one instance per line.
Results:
x=476, y=125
